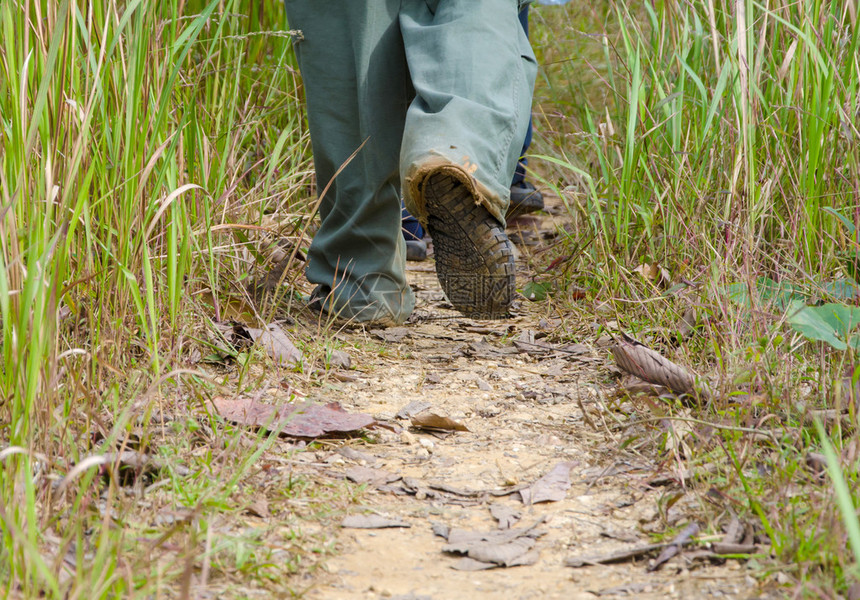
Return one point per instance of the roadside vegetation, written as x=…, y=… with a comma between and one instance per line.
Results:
x=143, y=144
x=709, y=155
x=152, y=153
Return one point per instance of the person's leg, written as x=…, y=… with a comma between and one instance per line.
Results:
x=473, y=72
x=520, y=171
x=525, y=198
x=357, y=87
x=413, y=235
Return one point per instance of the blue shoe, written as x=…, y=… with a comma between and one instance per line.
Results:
x=525, y=199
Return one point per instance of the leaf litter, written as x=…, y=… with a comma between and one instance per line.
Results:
x=372, y=522
x=435, y=422
x=648, y=365
x=305, y=419
x=489, y=550
x=520, y=431
x=552, y=487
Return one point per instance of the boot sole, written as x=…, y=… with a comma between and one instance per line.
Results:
x=474, y=257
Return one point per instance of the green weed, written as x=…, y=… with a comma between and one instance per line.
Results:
x=719, y=140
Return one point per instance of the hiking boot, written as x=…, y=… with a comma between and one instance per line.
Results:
x=525, y=199
x=416, y=250
x=474, y=258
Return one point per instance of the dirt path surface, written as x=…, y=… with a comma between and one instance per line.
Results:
x=529, y=411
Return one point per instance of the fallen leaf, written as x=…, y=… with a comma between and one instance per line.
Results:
x=734, y=532
x=575, y=349
x=371, y=476
x=505, y=515
x=485, y=350
x=392, y=335
x=722, y=549
x=552, y=487
x=259, y=508
x=470, y=564
x=276, y=343
x=372, y=522
x=646, y=364
x=629, y=589
x=413, y=408
x=297, y=420
x=440, y=529
x=356, y=455
x=433, y=421
x=504, y=555
x=527, y=343
x=507, y=548
x=687, y=323
x=654, y=273
x=339, y=360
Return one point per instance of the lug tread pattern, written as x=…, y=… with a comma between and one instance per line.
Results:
x=474, y=257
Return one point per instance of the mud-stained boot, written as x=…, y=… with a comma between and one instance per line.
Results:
x=474, y=258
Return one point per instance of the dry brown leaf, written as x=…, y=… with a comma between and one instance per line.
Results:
x=552, y=487
x=297, y=420
x=392, y=335
x=687, y=323
x=340, y=360
x=372, y=522
x=431, y=420
x=614, y=557
x=413, y=408
x=654, y=273
x=277, y=344
x=482, y=349
x=507, y=548
x=470, y=564
x=259, y=508
x=646, y=364
x=359, y=474
x=530, y=344
x=505, y=515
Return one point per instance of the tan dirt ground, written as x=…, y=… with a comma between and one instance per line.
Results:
x=525, y=415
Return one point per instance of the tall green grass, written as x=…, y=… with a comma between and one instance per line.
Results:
x=720, y=140
x=734, y=120
x=128, y=131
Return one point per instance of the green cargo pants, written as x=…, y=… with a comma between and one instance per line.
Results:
x=396, y=88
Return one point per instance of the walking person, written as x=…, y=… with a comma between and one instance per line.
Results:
x=425, y=98
x=525, y=197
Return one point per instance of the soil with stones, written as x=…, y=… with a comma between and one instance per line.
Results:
x=532, y=407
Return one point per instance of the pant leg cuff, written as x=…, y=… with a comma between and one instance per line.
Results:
x=416, y=174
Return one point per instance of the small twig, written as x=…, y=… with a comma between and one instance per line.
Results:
x=585, y=414
x=613, y=557
x=681, y=540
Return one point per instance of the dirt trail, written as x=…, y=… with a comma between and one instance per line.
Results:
x=525, y=415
